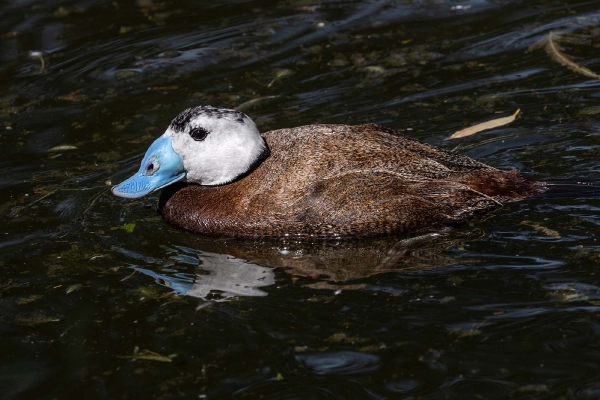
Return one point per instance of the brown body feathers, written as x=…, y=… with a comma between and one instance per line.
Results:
x=328, y=180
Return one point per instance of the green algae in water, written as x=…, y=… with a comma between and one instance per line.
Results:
x=148, y=292
x=127, y=228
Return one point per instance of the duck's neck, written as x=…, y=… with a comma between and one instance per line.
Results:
x=262, y=156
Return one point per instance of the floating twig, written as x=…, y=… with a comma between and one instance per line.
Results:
x=149, y=355
x=555, y=52
x=61, y=190
x=128, y=276
x=94, y=199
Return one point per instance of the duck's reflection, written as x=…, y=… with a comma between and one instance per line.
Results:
x=225, y=268
x=216, y=273
x=341, y=261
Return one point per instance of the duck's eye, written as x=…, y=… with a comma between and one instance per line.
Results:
x=150, y=169
x=198, y=133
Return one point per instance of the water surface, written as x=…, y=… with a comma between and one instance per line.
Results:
x=100, y=298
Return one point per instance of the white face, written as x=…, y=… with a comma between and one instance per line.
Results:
x=216, y=145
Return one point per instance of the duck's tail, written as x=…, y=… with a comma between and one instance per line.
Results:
x=569, y=188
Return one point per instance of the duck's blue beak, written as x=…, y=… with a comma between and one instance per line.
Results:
x=160, y=167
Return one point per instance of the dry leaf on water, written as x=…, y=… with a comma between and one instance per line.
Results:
x=63, y=147
x=250, y=103
x=483, y=126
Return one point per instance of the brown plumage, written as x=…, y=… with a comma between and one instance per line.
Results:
x=328, y=180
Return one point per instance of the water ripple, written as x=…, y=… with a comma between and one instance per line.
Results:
x=341, y=362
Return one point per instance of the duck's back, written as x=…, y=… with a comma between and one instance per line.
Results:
x=345, y=180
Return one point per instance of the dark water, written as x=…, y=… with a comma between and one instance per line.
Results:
x=502, y=307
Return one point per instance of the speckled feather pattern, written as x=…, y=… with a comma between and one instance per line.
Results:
x=328, y=180
x=180, y=122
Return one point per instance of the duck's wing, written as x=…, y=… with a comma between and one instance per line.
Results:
x=323, y=151
x=377, y=202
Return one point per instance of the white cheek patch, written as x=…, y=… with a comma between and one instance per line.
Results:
x=229, y=150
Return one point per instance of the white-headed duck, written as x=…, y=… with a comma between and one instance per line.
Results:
x=321, y=180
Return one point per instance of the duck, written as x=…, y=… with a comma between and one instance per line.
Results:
x=222, y=177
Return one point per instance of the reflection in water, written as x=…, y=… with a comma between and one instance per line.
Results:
x=343, y=260
x=228, y=275
x=242, y=267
